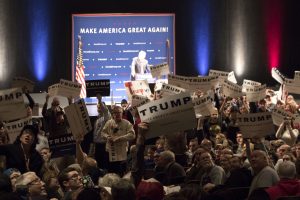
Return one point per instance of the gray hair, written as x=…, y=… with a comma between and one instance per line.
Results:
x=287, y=169
x=168, y=156
x=108, y=180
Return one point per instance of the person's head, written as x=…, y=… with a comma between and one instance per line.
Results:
x=60, y=117
x=45, y=153
x=297, y=150
x=142, y=55
x=258, y=160
x=28, y=136
x=193, y=145
x=13, y=174
x=4, y=138
x=123, y=189
x=55, y=102
x=287, y=170
x=124, y=104
x=197, y=154
x=235, y=162
x=108, y=180
x=156, y=157
x=69, y=179
x=151, y=151
x=220, y=137
x=288, y=157
x=206, y=144
x=35, y=186
x=225, y=162
x=206, y=161
x=160, y=143
x=50, y=179
x=88, y=164
x=214, y=116
x=117, y=113
x=165, y=158
x=29, y=110
x=239, y=138
x=282, y=150
x=150, y=189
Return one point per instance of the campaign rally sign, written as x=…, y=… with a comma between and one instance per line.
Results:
x=255, y=93
x=230, y=89
x=78, y=118
x=62, y=145
x=160, y=70
x=169, y=114
x=137, y=101
x=279, y=77
x=256, y=125
x=14, y=128
x=65, y=88
x=138, y=88
x=95, y=87
x=168, y=89
x=12, y=105
x=279, y=115
x=23, y=82
x=292, y=86
x=223, y=75
x=203, y=106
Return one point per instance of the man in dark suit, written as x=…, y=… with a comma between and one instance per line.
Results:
x=139, y=65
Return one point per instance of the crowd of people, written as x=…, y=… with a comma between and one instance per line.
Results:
x=209, y=161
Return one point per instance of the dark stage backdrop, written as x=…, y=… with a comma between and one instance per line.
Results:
x=249, y=37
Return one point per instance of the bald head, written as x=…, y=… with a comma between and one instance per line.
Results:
x=259, y=160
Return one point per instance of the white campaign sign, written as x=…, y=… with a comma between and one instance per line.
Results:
x=223, y=75
x=14, y=128
x=65, y=88
x=277, y=75
x=137, y=101
x=167, y=90
x=256, y=124
x=193, y=84
x=137, y=88
x=255, y=93
x=230, y=89
x=12, y=105
x=160, y=70
x=21, y=82
x=78, y=118
x=203, y=106
x=169, y=114
x=279, y=114
x=292, y=86
x=250, y=83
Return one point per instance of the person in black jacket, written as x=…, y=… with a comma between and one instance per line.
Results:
x=22, y=154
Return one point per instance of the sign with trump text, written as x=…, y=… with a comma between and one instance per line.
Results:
x=169, y=114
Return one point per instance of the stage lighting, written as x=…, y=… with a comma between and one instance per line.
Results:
x=38, y=14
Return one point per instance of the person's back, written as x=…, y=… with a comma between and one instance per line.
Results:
x=288, y=185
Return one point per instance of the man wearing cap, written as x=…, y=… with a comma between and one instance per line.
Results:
x=22, y=154
x=13, y=174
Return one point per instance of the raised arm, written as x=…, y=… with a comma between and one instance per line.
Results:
x=138, y=164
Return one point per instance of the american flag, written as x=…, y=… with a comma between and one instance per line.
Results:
x=80, y=69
